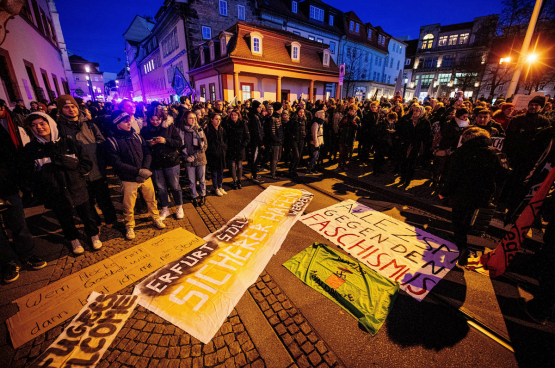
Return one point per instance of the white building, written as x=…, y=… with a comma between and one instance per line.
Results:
x=88, y=79
x=33, y=54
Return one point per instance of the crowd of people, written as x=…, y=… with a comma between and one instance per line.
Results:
x=58, y=153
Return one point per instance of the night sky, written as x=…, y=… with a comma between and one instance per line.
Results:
x=94, y=29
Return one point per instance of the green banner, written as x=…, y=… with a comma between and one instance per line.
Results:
x=361, y=291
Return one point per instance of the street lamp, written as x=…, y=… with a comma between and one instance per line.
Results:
x=89, y=81
x=505, y=60
x=531, y=58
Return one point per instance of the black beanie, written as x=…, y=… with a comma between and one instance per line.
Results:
x=277, y=105
x=540, y=100
x=118, y=116
x=255, y=104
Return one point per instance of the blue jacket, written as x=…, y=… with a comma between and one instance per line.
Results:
x=127, y=153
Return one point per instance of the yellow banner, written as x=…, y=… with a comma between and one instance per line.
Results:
x=198, y=291
x=50, y=306
x=88, y=336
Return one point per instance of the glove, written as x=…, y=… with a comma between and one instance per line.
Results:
x=145, y=173
x=190, y=159
x=140, y=179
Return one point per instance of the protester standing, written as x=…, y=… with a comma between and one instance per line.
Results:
x=193, y=152
x=215, y=153
x=238, y=138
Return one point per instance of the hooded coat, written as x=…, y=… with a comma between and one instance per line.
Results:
x=238, y=138
x=60, y=164
x=217, y=147
x=164, y=155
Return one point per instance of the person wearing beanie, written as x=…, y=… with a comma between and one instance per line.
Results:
x=504, y=115
x=60, y=167
x=256, y=145
x=74, y=124
x=470, y=180
x=131, y=109
x=130, y=157
x=275, y=137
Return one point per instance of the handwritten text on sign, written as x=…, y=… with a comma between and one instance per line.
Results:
x=46, y=308
x=90, y=333
x=199, y=290
x=401, y=252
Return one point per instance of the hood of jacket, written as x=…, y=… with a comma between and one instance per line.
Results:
x=54, y=135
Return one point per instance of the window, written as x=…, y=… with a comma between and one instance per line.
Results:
x=256, y=45
x=400, y=49
x=444, y=78
x=332, y=47
x=428, y=41
x=311, y=38
x=389, y=79
x=316, y=13
x=201, y=51
x=366, y=57
x=357, y=27
x=295, y=51
x=379, y=62
x=348, y=51
x=223, y=8
x=241, y=12
x=212, y=53
x=463, y=39
x=297, y=33
x=320, y=40
x=391, y=63
x=430, y=62
x=293, y=9
x=427, y=80
x=378, y=79
x=351, y=26
x=448, y=61
x=96, y=79
x=369, y=33
x=374, y=76
x=330, y=20
x=326, y=58
x=398, y=64
x=453, y=40
x=55, y=79
x=223, y=45
x=407, y=61
x=442, y=41
x=8, y=77
x=212, y=90
x=246, y=89
x=203, y=91
x=381, y=40
x=206, y=33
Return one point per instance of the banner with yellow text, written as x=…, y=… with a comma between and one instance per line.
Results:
x=91, y=332
x=417, y=260
x=198, y=291
x=50, y=306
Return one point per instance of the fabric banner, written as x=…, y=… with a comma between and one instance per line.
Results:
x=91, y=332
x=50, y=306
x=361, y=291
x=417, y=260
x=495, y=263
x=198, y=291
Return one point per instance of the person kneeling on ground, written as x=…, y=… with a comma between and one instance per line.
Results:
x=130, y=157
x=61, y=165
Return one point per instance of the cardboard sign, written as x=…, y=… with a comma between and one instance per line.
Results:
x=91, y=332
x=50, y=306
x=199, y=290
x=496, y=142
x=415, y=259
x=521, y=101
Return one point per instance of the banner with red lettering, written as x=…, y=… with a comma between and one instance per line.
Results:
x=414, y=258
x=91, y=332
x=199, y=290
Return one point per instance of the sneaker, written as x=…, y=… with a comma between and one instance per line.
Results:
x=96, y=243
x=239, y=186
x=77, y=247
x=179, y=213
x=219, y=192
x=10, y=272
x=130, y=233
x=223, y=191
x=35, y=263
x=159, y=224
x=164, y=213
x=202, y=201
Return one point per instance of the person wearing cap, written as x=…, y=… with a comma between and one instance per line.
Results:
x=256, y=145
x=60, y=167
x=504, y=115
x=129, y=107
x=12, y=140
x=275, y=141
x=75, y=125
x=130, y=157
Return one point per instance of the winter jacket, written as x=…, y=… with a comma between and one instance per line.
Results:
x=275, y=129
x=194, y=144
x=317, y=133
x=215, y=153
x=368, y=124
x=87, y=133
x=164, y=155
x=473, y=171
x=297, y=128
x=238, y=138
x=450, y=135
x=60, y=169
x=347, y=129
x=11, y=174
x=128, y=153
x=256, y=129
x=413, y=138
x=501, y=118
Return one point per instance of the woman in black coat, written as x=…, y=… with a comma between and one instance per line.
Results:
x=165, y=166
x=384, y=140
x=61, y=165
x=215, y=153
x=414, y=139
x=238, y=138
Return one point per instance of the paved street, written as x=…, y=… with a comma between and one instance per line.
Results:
x=280, y=322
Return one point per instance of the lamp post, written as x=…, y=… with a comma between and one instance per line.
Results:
x=89, y=82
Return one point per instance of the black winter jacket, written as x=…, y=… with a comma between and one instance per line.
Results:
x=164, y=155
x=412, y=138
x=238, y=138
x=215, y=153
x=128, y=153
x=297, y=128
x=275, y=129
x=256, y=129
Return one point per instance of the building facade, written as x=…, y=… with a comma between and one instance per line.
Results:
x=88, y=79
x=251, y=61
x=32, y=53
x=453, y=57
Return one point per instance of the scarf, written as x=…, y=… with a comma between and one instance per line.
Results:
x=461, y=123
x=12, y=130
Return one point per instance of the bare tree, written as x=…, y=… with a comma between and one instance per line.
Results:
x=353, y=69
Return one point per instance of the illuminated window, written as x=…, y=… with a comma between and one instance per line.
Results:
x=453, y=40
x=331, y=20
x=463, y=38
x=256, y=43
x=316, y=13
x=326, y=58
x=442, y=41
x=428, y=41
x=351, y=26
x=206, y=33
x=294, y=7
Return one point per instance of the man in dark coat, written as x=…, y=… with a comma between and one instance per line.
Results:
x=256, y=130
x=12, y=140
x=276, y=137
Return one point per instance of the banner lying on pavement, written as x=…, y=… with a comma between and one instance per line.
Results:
x=361, y=291
x=198, y=291
x=415, y=259
x=50, y=306
x=90, y=333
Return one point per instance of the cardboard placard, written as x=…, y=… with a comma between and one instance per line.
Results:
x=46, y=308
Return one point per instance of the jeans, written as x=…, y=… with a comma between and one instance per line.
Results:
x=296, y=153
x=275, y=155
x=195, y=173
x=130, y=189
x=255, y=154
x=314, y=153
x=236, y=170
x=64, y=214
x=14, y=219
x=217, y=178
x=100, y=194
x=168, y=177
